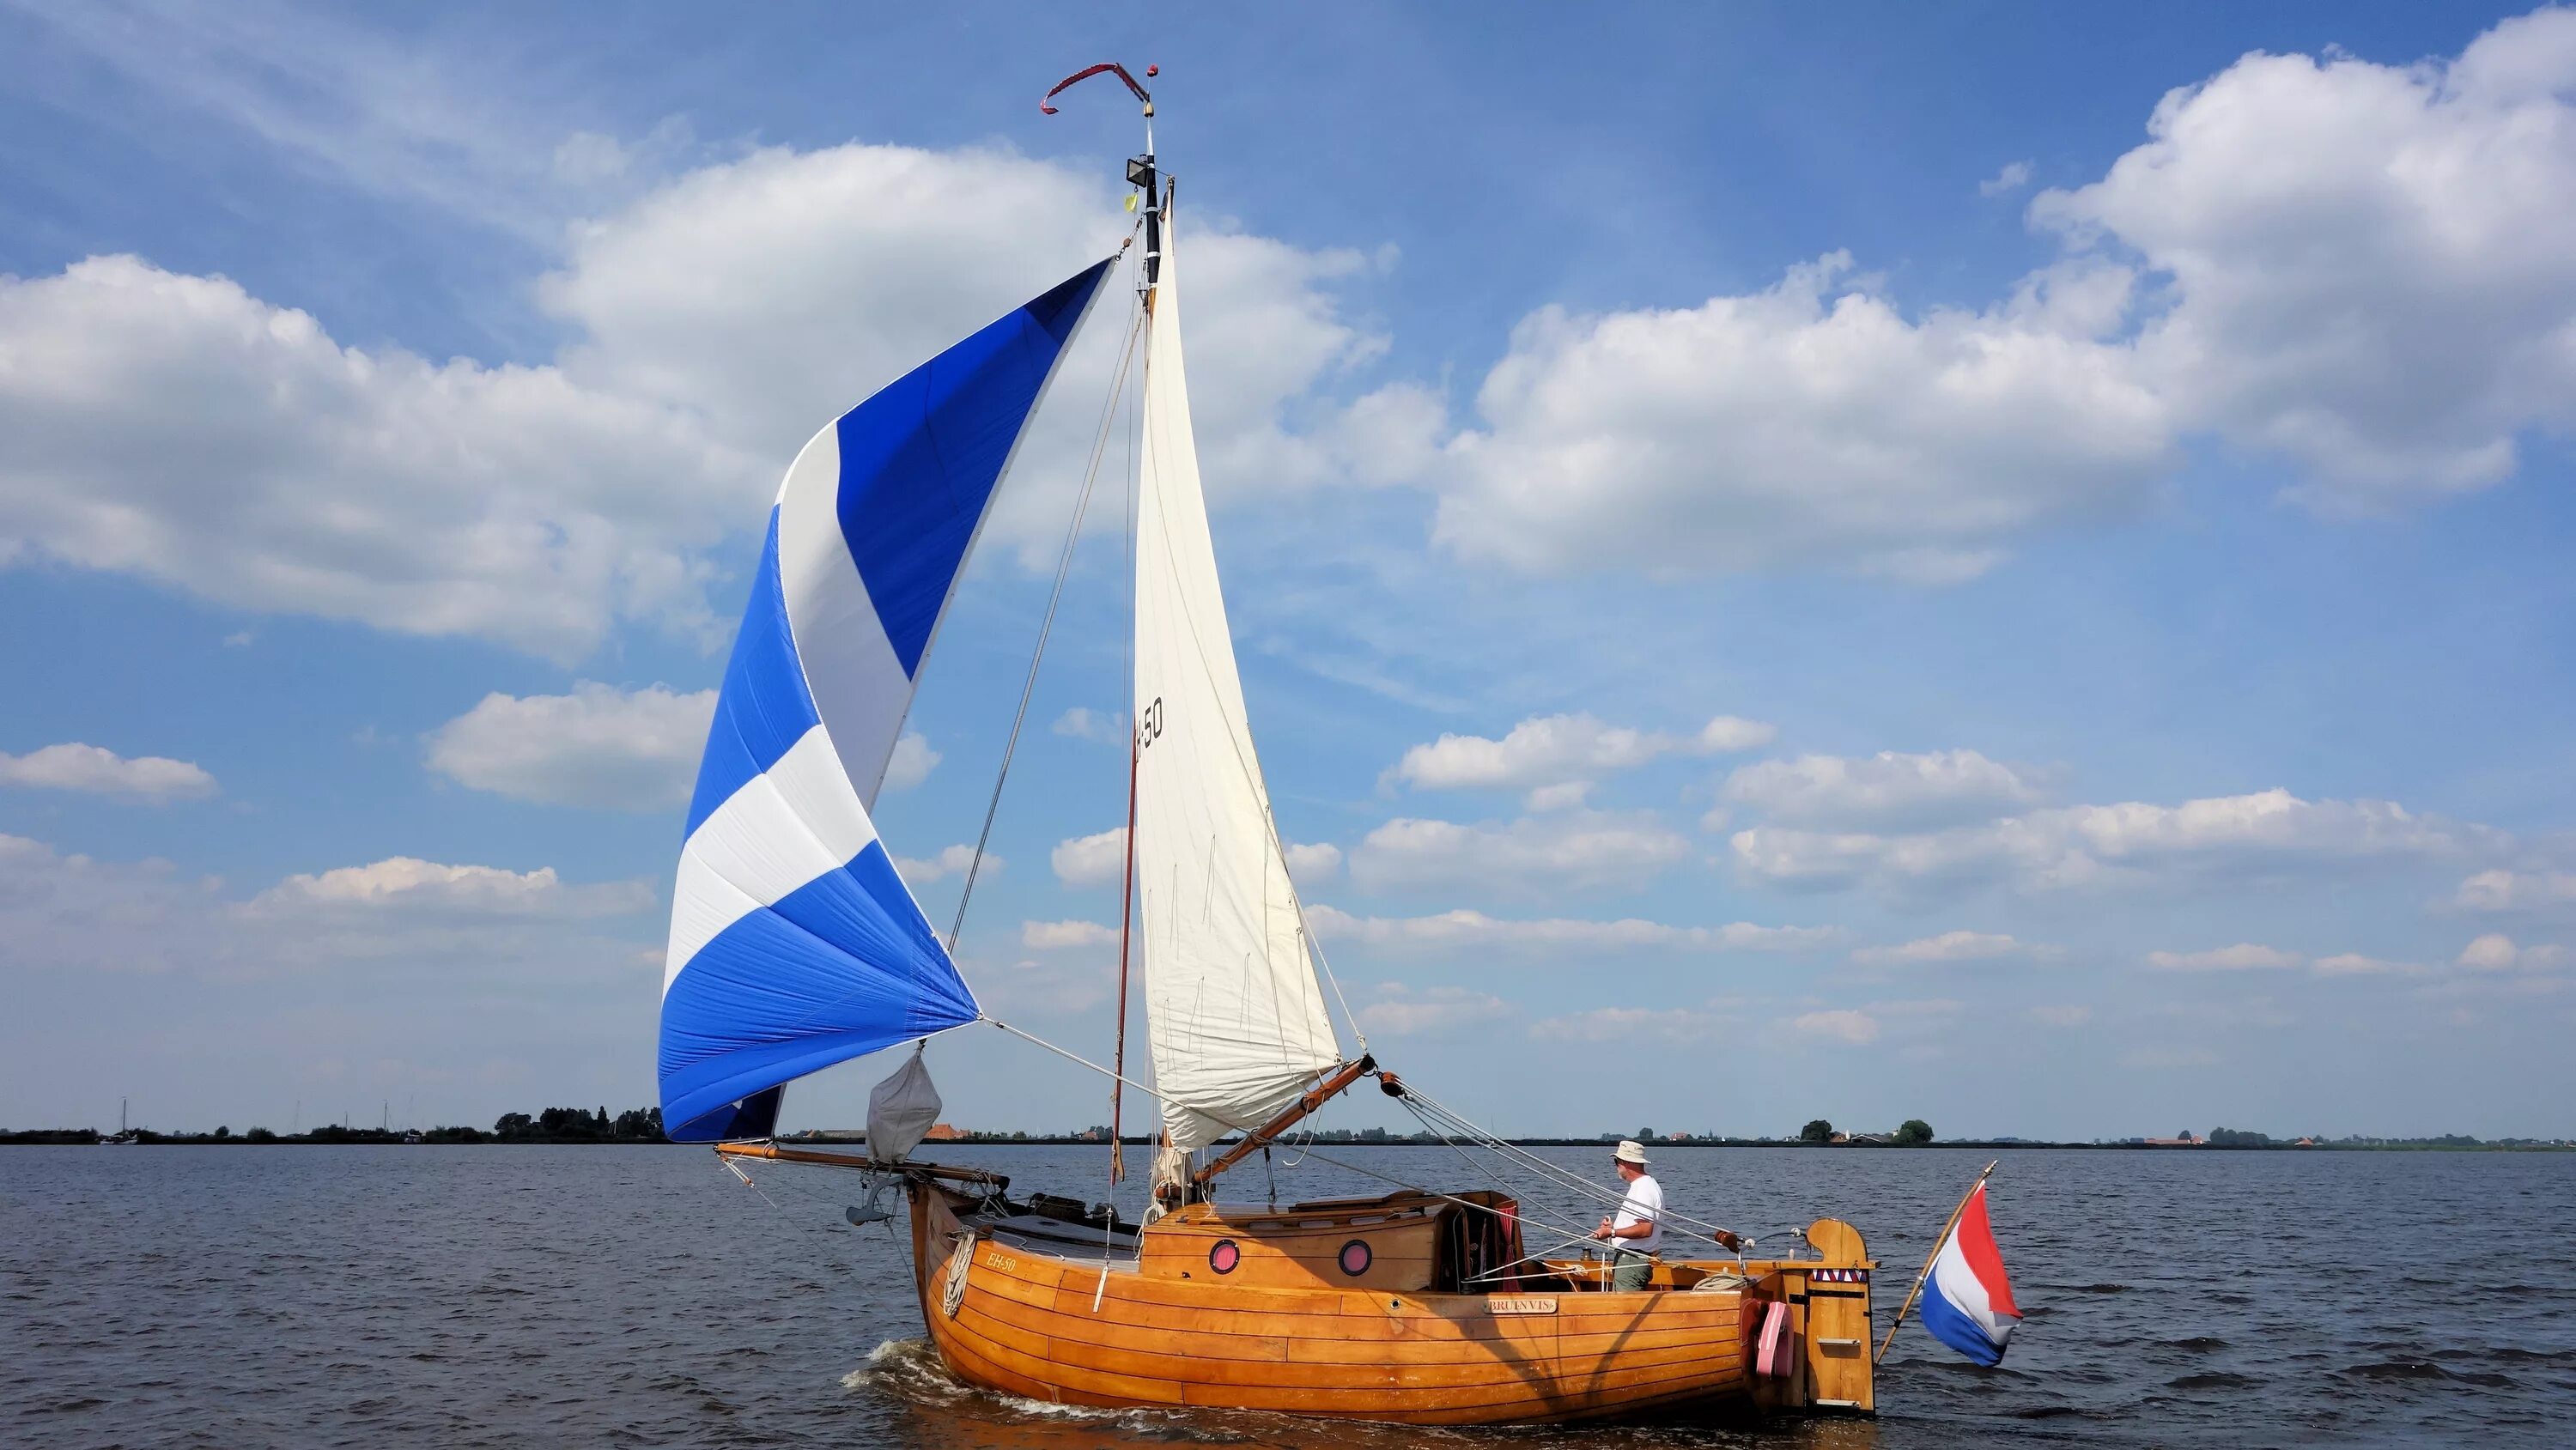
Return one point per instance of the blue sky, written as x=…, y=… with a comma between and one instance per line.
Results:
x=2105, y=477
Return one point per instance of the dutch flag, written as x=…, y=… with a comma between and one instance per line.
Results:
x=1969, y=1305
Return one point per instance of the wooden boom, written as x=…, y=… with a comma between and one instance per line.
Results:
x=1324, y=1092
x=774, y=1153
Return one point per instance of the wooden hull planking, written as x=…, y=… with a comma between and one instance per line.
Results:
x=1055, y=1327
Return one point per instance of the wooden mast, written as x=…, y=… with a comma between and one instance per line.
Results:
x=1126, y=914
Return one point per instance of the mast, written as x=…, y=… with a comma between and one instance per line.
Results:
x=1146, y=178
x=1233, y=1008
x=1126, y=917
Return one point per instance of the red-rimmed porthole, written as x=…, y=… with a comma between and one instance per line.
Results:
x=1225, y=1256
x=1355, y=1257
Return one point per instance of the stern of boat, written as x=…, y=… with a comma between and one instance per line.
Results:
x=1819, y=1360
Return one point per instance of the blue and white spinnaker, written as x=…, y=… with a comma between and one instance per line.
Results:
x=794, y=943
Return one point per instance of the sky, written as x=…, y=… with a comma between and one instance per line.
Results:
x=1998, y=564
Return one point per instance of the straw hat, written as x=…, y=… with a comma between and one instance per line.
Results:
x=1629, y=1152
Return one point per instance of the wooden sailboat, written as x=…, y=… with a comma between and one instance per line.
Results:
x=795, y=945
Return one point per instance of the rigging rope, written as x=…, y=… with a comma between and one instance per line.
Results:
x=974, y=868
x=1565, y=1176
x=1055, y=596
x=1168, y=1100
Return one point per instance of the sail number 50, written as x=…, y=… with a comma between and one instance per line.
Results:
x=1149, y=724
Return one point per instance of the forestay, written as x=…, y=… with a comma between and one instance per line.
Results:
x=1233, y=1007
x=794, y=944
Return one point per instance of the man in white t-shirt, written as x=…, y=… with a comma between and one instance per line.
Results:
x=1637, y=1231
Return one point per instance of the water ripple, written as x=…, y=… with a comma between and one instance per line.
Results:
x=502, y=1296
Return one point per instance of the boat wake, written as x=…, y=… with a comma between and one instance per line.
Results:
x=909, y=1371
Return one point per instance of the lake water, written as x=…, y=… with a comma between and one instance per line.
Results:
x=642, y=1296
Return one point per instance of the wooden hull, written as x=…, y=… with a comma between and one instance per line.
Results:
x=1056, y=1327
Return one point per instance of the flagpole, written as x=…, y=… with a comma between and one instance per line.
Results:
x=1927, y=1262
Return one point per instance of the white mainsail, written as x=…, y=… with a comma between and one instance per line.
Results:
x=1232, y=1005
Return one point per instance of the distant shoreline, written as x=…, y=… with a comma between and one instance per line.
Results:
x=80, y=1137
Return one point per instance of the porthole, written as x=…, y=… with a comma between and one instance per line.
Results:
x=1225, y=1256
x=1355, y=1257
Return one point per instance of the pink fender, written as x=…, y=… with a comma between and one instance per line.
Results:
x=1771, y=1346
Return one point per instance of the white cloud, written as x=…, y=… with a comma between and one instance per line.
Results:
x=365, y=107
x=278, y=470
x=600, y=746
x=779, y=288
x=1473, y=930
x=2242, y=957
x=1949, y=946
x=2128, y=842
x=1047, y=936
x=1809, y=423
x=96, y=770
x=1560, y=751
x=911, y=762
x=948, y=861
x=2496, y=952
x=1570, y=850
x=2354, y=964
x=713, y=324
x=72, y=913
x=1727, y=734
x=1084, y=723
x=2169, y=1059
x=407, y=883
x=1098, y=860
x=2368, y=268
x=1634, y=1024
x=2371, y=268
x=2014, y=176
x=1563, y=796
x=1841, y=1024
x=1918, y=1008
x=1401, y=1011
x=1886, y=791
x=1313, y=861
x=2061, y=1015
x=1054, y=984
x=2502, y=890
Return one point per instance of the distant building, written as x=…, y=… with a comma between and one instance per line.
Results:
x=943, y=1133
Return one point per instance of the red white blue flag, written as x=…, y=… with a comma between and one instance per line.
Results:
x=1969, y=1304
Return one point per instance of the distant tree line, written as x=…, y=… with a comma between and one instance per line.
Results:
x=554, y=1125
x=581, y=1125
x=1912, y=1133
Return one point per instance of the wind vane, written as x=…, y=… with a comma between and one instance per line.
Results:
x=1088, y=72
